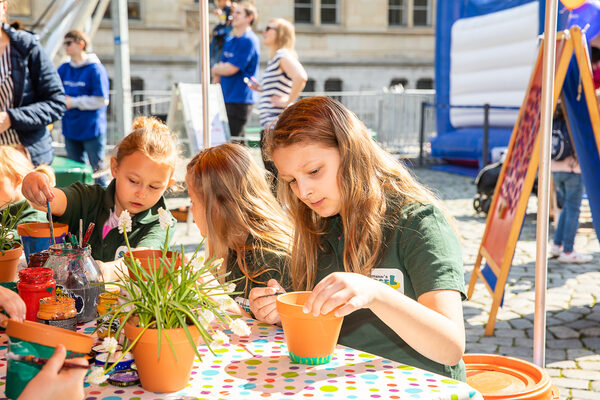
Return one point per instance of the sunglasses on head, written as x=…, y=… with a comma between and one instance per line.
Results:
x=67, y=42
x=268, y=28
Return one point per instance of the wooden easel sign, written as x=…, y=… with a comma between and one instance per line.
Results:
x=507, y=211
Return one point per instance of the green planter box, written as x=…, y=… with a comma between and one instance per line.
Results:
x=69, y=171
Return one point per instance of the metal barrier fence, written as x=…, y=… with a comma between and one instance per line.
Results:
x=394, y=118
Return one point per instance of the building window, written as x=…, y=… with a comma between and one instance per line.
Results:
x=329, y=12
x=310, y=86
x=422, y=12
x=425, y=83
x=303, y=11
x=397, y=12
x=399, y=81
x=334, y=85
x=134, y=11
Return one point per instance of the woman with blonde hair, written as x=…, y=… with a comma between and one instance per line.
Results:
x=236, y=212
x=14, y=167
x=371, y=243
x=284, y=78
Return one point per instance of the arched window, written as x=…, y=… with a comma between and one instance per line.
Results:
x=310, y=85
x=334, y=85
x=399, y=81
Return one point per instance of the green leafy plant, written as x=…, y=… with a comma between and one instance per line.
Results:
x=9, y=218
x=168, y=297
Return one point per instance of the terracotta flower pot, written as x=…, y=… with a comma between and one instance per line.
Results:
x=36, y=235
x=9, y=262
x=310, y=340
x=150, y=260
x=37, y=339
x=163, y=372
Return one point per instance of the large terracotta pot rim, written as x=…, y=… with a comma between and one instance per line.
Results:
x=50, y=336
x=41, y=229
x=15, y=252
x=151, y=334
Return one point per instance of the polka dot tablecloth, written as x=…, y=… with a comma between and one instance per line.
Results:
x=234, y=373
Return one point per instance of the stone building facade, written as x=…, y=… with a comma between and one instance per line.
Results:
x=347, y=45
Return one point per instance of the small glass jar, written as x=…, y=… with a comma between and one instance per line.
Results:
x=58, y=311
x=78, y=276
x=38, y=259
x=35, y=284
x=107, y=305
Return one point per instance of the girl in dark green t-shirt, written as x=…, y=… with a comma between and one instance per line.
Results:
x=370, y=241
x=236, y=212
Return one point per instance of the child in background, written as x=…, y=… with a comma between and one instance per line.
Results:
x=14, y=167
x=369, y=239
x=142, y=169
x=221, y=30
x=238, y=215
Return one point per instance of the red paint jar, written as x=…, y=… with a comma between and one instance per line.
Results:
x=35, y=284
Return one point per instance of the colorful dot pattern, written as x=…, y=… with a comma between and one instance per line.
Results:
x=233, y=373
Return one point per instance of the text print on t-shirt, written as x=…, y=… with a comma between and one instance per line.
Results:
x=390, y=276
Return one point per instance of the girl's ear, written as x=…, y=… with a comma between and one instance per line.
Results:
x=18, y=179
x=113, y=166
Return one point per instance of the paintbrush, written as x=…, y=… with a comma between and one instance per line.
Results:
x=41, y=361
x=88, y=234
x=51, y=223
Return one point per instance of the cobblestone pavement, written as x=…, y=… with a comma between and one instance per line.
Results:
x=573, y=317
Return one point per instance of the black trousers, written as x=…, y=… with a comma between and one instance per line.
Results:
x=237, y=114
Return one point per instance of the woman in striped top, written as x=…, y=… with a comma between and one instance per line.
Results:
x=284, y=78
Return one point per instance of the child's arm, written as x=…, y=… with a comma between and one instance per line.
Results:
x=37, y=189
x=12, y=304
x=433, y=325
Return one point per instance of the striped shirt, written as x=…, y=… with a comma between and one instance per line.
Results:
x=9, y=136
x=274, y=82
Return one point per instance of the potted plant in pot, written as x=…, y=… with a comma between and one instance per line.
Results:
x=166, y=309
x=10, y=247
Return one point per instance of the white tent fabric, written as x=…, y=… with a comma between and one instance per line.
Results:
x=492, y=57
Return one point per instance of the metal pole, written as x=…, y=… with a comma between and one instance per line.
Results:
x=486, y=134
x=422, y=132
x=122, y=77
x=541, y=264
x=205, y=71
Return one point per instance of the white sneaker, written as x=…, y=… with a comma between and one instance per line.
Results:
x=574, y=258
x=555, y=250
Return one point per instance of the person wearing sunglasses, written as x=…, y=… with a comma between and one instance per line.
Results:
x=31, y=95
x=86, y=85
x=283, y=79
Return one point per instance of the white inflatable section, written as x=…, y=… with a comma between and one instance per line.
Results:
x=491, y=60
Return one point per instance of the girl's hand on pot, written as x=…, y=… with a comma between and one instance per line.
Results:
x=54, y=382
x=12, y=304
x=344, y=292
x=263, y=302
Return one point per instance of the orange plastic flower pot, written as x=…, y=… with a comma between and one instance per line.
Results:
x=150, y=260
x=9, y=262
x=310, y=340
x=507, y=378
x=163, y=372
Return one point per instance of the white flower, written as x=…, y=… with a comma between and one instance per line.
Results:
x=96, y=376
x=124, y=222
x=207, y=317
x=230, y=287
x=110, y=344
x=197, y=263
x=219, y=338
x=224, y=301
x=240, y=328
x=164, y=218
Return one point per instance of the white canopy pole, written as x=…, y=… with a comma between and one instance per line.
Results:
x=205, y=71
x=541, y=263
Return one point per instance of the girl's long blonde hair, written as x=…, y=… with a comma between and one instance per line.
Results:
x=368, y=178
x=285, y=36
x=16, y=163
x=239, y=204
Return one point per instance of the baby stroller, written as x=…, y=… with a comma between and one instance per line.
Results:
x=486, y=183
